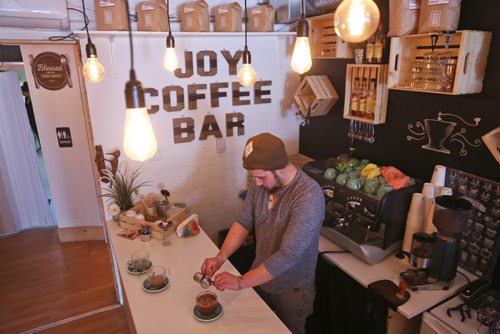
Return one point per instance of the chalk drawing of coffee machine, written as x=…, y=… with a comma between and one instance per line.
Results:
x=438, y=130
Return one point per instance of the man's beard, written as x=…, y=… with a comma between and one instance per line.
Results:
x=277, y=183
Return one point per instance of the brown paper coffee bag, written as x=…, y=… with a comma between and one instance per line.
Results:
x=152, y=15
x=228, y=17
x=111, y=15
x=403, y=17
x=261, y=18
x=194, y=16
x=438, y=16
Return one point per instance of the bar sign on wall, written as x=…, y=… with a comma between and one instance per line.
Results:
x=64, y=137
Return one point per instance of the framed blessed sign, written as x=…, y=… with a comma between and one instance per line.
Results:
x=50, y=70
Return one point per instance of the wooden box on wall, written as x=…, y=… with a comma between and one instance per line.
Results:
x=366, y=93
x=469, y=50
x=315, y=96
x=324, y=41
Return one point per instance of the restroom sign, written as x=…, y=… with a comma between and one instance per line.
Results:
x=64, y=137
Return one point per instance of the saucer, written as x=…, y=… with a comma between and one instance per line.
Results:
x=147, y=287
x=133, y=271
x=208, y=317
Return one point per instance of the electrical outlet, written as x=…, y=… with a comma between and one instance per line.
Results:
x=221, y=145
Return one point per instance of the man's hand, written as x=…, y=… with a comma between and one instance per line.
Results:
x=227, y=281
x=211, y=265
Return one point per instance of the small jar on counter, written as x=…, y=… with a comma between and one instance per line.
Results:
x=162, y=208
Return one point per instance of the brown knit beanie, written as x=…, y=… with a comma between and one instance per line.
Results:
x=264, y=151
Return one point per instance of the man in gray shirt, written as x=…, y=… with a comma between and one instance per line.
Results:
x=286, y=208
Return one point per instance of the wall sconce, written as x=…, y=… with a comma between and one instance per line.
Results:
x=170, y=62
x=139, y=141
x=301, y=58
x=246, y=75
x=356, y=20
x=92, y=70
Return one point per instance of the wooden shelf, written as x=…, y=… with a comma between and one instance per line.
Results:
x=468, y=50
x=324, y=41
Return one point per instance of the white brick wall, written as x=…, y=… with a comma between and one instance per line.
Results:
x=207, y=181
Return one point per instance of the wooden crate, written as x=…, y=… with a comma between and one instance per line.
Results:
x=175, y=215
x=378, y=73
x=315, y=96
x=492, y=141
x=470, y=49
x=324, y=41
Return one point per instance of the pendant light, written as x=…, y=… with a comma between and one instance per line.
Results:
x=246, y=75
x=92, y=71
x=170, y=62
x=356, y=20
x=139, y=141
x=301, y=58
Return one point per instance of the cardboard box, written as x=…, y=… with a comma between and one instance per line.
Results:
x=228, y=17
x=194, y=16
x=111, y=15
x=152, y=16
x=261, y=18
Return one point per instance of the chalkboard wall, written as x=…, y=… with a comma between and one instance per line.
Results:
x=326, y=136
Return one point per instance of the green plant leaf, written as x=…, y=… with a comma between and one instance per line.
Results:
x=122, y=186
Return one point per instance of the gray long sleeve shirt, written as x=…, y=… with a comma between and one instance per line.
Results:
x=287, y=235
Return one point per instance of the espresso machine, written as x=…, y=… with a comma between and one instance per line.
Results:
x=435, y=256
x=369, y=227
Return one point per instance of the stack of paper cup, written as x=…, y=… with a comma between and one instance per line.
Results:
x=428, y=193
x=438, y=178
x=414, y=220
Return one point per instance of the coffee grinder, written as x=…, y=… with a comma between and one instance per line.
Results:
x=435, y=256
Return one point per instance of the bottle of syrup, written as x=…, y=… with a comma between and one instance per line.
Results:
x=379, y=44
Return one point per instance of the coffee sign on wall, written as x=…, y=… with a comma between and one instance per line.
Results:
x=50, y=70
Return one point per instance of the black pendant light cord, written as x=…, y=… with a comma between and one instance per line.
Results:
x=168, y=18
x=170, y=37
x=246, y=25
x=90, y=47
x=132, y=71
x=85, y=18
x=302, y=25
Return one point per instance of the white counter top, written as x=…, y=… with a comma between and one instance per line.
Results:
x=170, y=311
x=389, y=269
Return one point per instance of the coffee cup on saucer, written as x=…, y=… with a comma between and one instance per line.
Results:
x=157, y=276
x=139, y=261
x=206, y=302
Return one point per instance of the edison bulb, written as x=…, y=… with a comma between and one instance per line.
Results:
x=301, y=58
x=170, y=62
x=356, y=20
x=139, y=139
x=93, y=71
x=247, y=75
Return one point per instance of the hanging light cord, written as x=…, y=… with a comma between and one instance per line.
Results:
x=132, y=71
x=168, y=18
x=303, y=11
x=85, y=18
x=246, y=25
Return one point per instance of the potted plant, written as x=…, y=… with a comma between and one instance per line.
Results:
x=122, y=186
